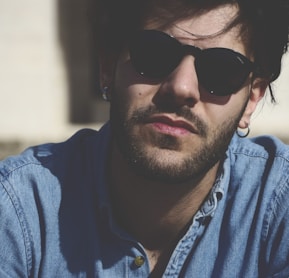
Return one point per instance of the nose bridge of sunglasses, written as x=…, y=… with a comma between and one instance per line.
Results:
x=190, y=50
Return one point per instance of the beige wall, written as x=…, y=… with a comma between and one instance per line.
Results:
x=43, y=101
x=35, y=85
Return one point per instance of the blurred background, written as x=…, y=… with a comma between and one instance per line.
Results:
x=48, y=77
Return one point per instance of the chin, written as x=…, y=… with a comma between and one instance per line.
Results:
x=167, y=166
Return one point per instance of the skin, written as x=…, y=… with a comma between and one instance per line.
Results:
x=158, y=185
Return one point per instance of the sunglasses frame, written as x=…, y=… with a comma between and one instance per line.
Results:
x=163, y=63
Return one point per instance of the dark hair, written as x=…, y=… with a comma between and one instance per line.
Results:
x=265, y=24
x=268, y=25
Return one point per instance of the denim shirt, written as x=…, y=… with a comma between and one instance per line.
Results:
x=56, y=220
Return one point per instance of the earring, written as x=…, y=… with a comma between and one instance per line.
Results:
x=105, y=93
x=243, y=135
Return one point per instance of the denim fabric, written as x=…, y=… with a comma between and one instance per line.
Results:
x=56, y=221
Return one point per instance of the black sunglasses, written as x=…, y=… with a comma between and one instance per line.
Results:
x=220, y=71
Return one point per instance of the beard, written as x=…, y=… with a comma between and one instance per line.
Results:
x=165, y=168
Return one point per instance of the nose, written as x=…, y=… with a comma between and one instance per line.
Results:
x=180, y=88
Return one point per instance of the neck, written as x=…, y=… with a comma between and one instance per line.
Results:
x=155, y=213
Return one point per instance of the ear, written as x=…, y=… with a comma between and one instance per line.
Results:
x=257, y=92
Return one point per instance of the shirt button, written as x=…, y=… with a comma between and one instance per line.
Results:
x=139, y=261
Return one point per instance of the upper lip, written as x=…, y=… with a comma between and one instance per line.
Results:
x=178, y=122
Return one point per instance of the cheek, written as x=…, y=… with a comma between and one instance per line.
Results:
x=126, y=78
x=233, y=109
x=130, y=88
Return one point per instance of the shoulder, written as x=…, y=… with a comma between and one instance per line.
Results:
x=260, y=161
x=43, y=173
x=261, y=146
x=264, y=155
x=260, y=174
x=259, y=168
x=33, y=187
x=44, y=166
x=44, y=155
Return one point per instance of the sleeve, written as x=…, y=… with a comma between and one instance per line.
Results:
x=276, y=235
x=15, y=243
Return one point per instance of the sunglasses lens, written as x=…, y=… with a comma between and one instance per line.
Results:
x=222, y=71
x=154, y=54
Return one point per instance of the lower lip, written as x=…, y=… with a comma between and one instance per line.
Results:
x=172, y=130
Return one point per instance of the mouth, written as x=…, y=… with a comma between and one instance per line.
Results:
x=167, y=125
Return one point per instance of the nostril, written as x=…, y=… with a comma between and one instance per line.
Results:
x=170, y=101
x=190, y=101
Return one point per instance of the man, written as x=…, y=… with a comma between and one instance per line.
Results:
x=166, y=188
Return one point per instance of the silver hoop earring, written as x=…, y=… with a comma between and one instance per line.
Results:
x=105, y=93
x=243, y=135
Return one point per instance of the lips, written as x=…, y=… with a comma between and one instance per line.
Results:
x=166, y=124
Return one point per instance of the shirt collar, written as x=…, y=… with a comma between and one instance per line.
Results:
x=220, y=188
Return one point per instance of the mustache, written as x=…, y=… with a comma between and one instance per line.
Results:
x=142, y=114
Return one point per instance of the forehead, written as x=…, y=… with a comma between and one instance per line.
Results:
x=206, y=28
x=209, y=23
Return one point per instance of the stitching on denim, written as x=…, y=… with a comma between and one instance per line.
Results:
x=273, y=205
x=7, y=172
x=22, y=222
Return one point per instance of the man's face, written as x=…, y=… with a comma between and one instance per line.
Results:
x=172, y=129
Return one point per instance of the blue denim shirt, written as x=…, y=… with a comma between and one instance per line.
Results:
x=56, y=221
